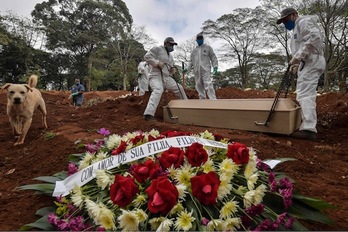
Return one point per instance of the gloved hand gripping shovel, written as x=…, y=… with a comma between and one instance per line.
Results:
x=167, y=106
x=285, y=83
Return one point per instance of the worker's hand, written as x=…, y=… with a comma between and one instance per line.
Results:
x=294, y=69
x=215, y=71
x=294, y=61
x=173, y=70
x=160, y=65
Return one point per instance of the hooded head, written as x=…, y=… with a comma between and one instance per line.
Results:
x=199, y=39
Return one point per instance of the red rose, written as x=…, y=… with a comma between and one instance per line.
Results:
x=123, y=190
x=205, y=187
x=170, y=134
x=137, y=139
x=151, y=138
x=148, y=169
x=121, y=148
x=238, y=152
x=163, y=195
x=196, y=154
x=172, y=156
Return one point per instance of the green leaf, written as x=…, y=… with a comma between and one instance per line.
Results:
x=313, y=202
x=45, y=211
x=41, y=188
x=49, y=179
x=41, y=223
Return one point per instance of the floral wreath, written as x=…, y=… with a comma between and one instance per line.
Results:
x=190, y=188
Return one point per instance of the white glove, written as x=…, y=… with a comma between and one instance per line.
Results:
x=160, y=65
x=294, y=65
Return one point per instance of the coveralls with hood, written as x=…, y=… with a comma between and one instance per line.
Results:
x=143, y=77
x=202, y=59
x=307, y=48
x=161, y=62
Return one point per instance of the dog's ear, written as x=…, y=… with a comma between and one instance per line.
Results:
x=28, y=87
x=6, y=86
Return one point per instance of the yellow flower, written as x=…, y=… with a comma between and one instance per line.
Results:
x=184, y=220
x=216, y=225
x=156, y=222
x=93, y=209
x=106, y=218
x=228, y=167
x=184, y=175
x=229, y=209
x=207, y=135
x=232, y=224
x=139, y=200
x=128, y=221
x=208, y=166
x=142, y=216
x=176, y=209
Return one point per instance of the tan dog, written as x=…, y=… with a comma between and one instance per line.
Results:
x=22, y=101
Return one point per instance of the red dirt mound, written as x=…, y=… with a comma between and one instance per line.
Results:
x=321, y=168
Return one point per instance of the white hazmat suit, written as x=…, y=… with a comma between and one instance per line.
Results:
x=143, y=77
x=160, y=79
x=202, y=59
x=307, y=46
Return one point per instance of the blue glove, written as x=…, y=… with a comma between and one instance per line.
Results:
x=74, y=94
x=215, y=72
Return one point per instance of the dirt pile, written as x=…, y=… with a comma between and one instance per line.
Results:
x=321, y=169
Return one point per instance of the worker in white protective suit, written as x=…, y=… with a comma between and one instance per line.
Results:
x=308, y=62
x=160, y=79
x=201, y=60
x=143, y=77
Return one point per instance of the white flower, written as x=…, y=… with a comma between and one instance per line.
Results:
x=87, y=160
x=182, y=189
x=225, y=187
x=232, y=224
x=184, y=175
x=128, y=221
x=165, y=225
x=77, y=196
x=103, y=179
x=184, y=220
x=228, y=209
x=259, y=194
x=142, y=216
x=139, y=200
x=208, y=166
x=176, y=209
x=156, y=222
x=106, y=218
x=101, y=156
x=251, y=181
x=207, y=135
x=248, y=198
x=228, y=167
x=113, y=141
x=93, y=210
x=216, y=225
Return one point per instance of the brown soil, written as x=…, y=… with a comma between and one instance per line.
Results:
x=321, y=169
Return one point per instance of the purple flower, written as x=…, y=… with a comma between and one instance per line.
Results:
x=76, y=224
x=289, y=223
x=53, y=219
x=287, y=197
x=72, y=168
x=103, y=131
x=204, y=221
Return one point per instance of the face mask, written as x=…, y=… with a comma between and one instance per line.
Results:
x=77, y=83
x=199, y=42
x=289, y=25
x=170, y=48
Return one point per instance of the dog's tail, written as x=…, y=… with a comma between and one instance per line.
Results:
x=32, y=81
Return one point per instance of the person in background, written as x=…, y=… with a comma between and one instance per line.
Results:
x=77, y=93
x=143, y=77
x=160, y=79
x=202, y=59
x=308, y=62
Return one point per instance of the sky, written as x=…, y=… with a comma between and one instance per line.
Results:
x=180, y=19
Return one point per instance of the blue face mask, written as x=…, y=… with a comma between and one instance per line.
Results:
x=289, y=25
x=170, y=48
x=199, y=42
